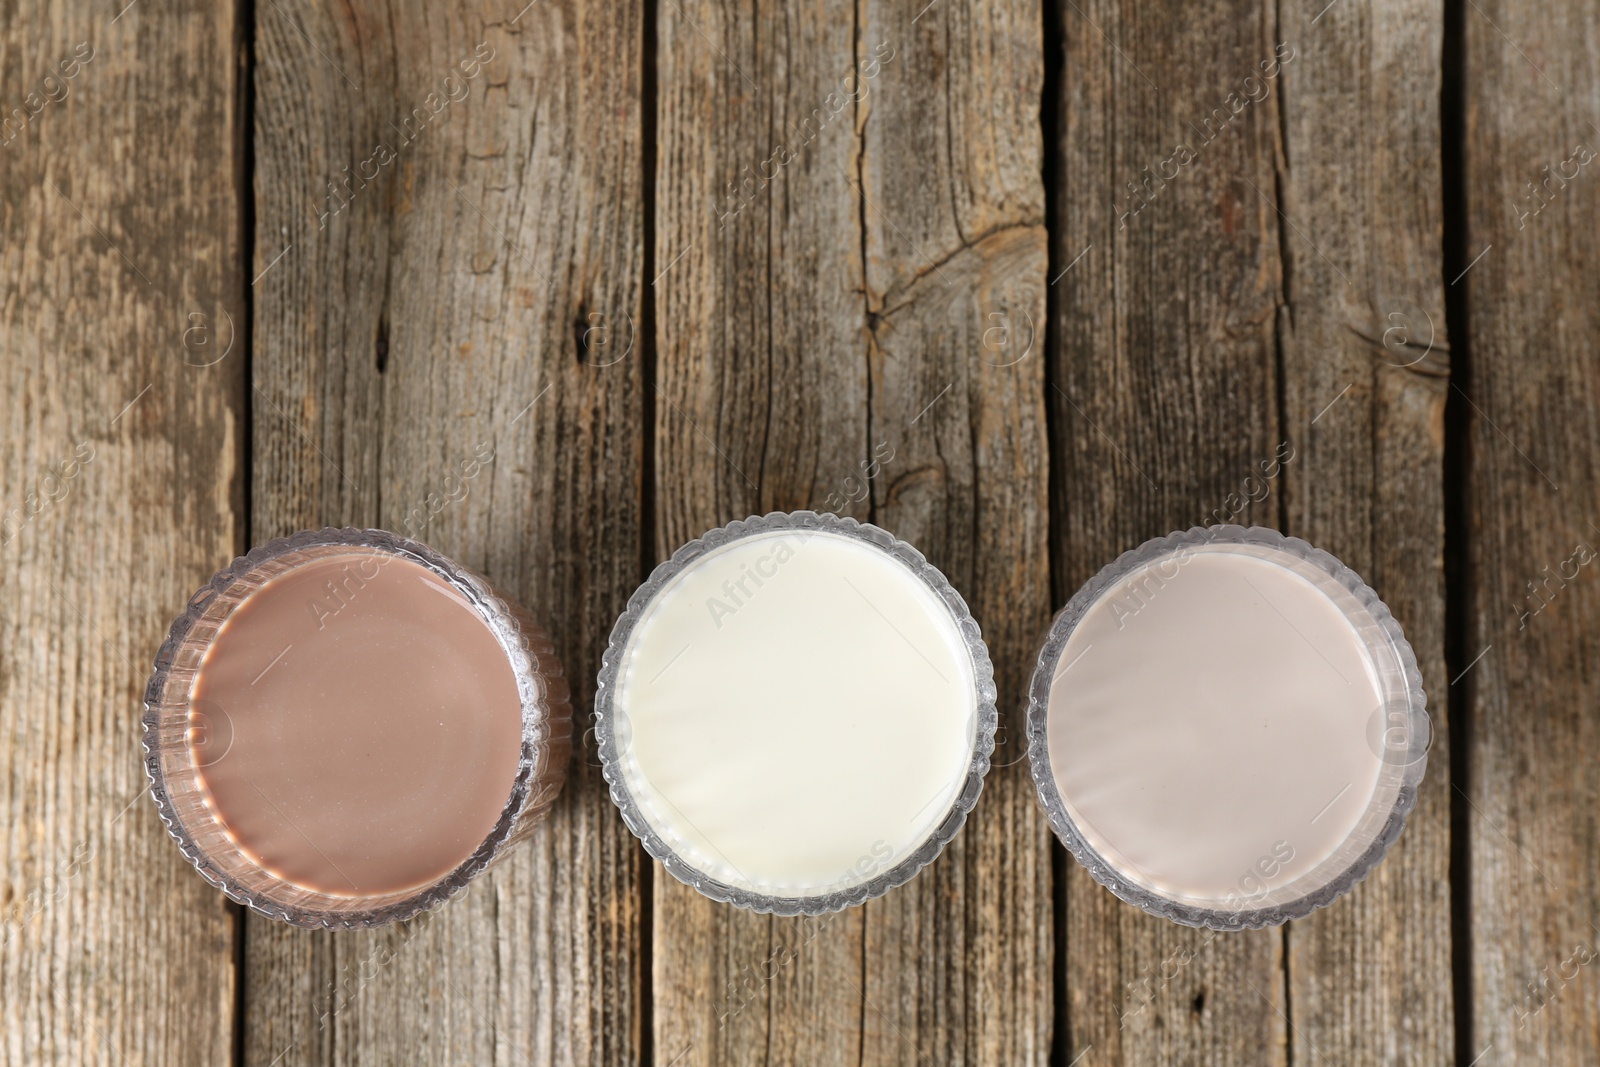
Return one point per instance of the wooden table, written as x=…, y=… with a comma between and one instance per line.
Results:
x=1077, y=269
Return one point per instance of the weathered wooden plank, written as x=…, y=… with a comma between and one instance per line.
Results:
x=958, y=964
x=1529, y=406
x=468, y=290
x=765, y=357
x=797, y=349
x=761, y=405
x=120, y=491
x=1165, y=398
x=1366, y=360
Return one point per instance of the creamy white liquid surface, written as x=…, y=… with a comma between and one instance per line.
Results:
x=796, y=713
x=1209, y=726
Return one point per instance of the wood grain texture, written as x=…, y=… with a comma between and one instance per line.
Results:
x=849, y=292
x=761, y=405
x=874, y=196
x=466, y=293
x=120, y=491
x=1533, y=307
x=958, y=965
x=1365, y=366
x=1165, y=397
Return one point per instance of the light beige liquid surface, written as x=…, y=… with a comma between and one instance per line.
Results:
x=1209, y=726
x=796, y=713
x=362, y=725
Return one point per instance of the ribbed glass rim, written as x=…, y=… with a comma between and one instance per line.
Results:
x=1404, y=696
x=986, y=714
x=546, y=737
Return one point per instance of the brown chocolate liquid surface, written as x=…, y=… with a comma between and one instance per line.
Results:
x=364, y=725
